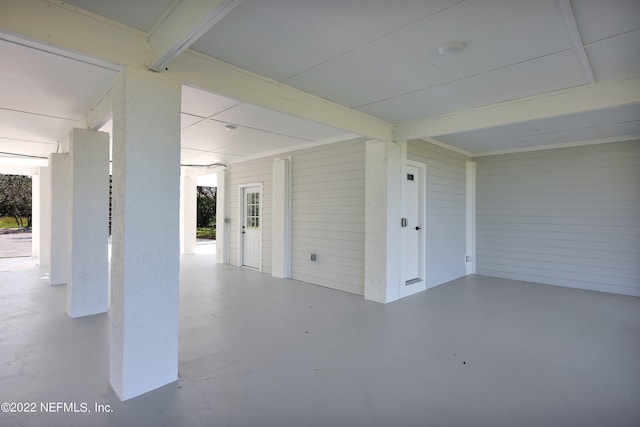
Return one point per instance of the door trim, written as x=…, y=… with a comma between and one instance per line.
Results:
x=414, y=286
x=241, y=208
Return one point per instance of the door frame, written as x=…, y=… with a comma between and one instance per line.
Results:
x=421, y=284
x=241, y=211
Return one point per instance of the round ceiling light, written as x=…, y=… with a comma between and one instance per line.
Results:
x=230, y=127
x=452, y=47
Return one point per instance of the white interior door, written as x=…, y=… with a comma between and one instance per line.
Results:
x=252, y=227
x=412, y=230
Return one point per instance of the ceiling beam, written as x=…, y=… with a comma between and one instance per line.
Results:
x=29, y=170
x=596, y=96
x=185, y=23
x=220, y=77
x=57, y=23
x=99, y=115
x=574, y=31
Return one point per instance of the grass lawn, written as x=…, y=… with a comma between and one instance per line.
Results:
x=206, y=233
x=10, y=222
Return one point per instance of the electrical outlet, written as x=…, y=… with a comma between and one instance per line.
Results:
x=313, y=257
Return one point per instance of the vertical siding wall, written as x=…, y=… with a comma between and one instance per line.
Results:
x=568, y=217
x=445, y=210
x=327, y=213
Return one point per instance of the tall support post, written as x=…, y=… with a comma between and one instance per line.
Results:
x=222, y=234
x=382, y=221
x=88, y=284
x=60, y=190
x=281, y=218
x=44, y=249
x=470, y=260
x=145, y=265
x=36, y=189
x=188, y=214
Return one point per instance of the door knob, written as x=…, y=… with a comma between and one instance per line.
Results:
x=417, y=227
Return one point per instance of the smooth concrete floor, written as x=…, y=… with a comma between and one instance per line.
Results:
x=258, y=351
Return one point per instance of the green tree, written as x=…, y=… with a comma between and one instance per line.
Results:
x=206, y=206
x=15, y=198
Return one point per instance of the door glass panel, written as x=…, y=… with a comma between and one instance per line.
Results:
x=253, y=210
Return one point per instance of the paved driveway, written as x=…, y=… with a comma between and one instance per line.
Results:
x=15, y=243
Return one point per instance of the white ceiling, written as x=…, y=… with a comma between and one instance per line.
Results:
x=205, y=140
x=39, y=101
x=598, y=125
x=375, y=56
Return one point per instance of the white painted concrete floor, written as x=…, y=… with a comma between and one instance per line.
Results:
x=257, y=351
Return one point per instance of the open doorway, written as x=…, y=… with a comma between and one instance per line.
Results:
x=206, y=205
x=206, y=219
x=15, y=216
x=206, y=213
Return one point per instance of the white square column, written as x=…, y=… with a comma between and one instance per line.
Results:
x=60, y=190
x=470, y=260
x=281, y=219
x=383, y=180
x=88, y=282
x=44, y=248
x=188, y=214
x=222, y=235
x=35, y=215
x=145, y=262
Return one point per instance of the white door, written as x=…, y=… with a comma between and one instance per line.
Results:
x=251, y=227
x=412, y=232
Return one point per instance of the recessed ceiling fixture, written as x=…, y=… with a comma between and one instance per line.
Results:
x=451, y=47
x=230, y=127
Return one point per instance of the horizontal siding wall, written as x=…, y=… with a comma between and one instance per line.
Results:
x=327, y=215
x=255, y=171
x=568, y=217
x=445, y=210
